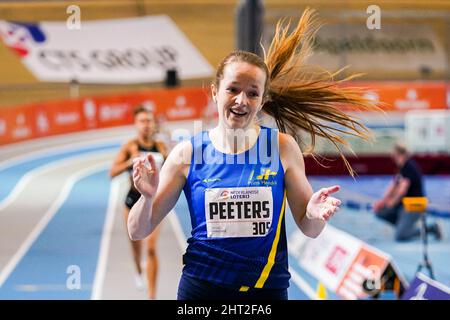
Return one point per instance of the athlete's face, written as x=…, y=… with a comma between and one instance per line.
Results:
x=398, y=159
x=145, y=124
x=239, y=95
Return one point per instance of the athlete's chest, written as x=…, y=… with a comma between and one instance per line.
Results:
x=255, y=175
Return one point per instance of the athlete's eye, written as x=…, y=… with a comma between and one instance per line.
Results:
x=232, y=90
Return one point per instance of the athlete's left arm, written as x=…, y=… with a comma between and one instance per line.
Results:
x=310, y=210
x=162, y=148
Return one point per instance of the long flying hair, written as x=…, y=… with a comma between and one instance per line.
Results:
x=300, y=97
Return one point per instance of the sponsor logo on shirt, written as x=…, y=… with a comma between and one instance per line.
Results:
x=266, y=177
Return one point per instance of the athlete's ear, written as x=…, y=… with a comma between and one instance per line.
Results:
x=214, y=92
x=265, y=98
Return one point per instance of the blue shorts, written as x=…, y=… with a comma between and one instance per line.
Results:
x=195, y=289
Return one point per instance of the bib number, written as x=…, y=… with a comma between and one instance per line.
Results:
x=238, y=212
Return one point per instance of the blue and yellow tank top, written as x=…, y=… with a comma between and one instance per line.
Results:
x=237, y=204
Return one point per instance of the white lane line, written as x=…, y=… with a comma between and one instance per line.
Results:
x=100, y=271
x=179, y=234
x=302, y=284
x=34, y=234
x=30, y=175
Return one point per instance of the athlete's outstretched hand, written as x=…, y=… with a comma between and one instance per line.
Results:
x=145, y=178
x=322, y=206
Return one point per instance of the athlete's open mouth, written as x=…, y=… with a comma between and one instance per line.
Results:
x=238, y=113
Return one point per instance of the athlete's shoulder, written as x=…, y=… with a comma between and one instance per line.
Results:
x=162, y=148
x=131, y=143
x=129, y=147
x=183, y=145
x=287, y=141
x=290, y=152
x=181, y=153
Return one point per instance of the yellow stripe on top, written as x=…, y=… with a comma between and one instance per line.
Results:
x=271, y=259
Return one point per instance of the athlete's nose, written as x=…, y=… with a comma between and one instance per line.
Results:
x=241, y=98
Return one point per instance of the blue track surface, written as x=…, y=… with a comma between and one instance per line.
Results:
x=11, y=174
x=72, y=237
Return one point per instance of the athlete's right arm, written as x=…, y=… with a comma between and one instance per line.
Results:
x=122, y=161
x=159, y=191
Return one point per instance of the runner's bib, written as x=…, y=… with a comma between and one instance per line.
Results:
x=238, y=212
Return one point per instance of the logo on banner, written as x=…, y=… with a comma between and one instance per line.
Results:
x=90, y=110
x=336, y=260
x=21, y=130
x=42, y=122
x=412, y=101
x=180, y=110
x=18, y=36
x=54, y=52
x=66, y=118
x=112, y=112
x=2, y=127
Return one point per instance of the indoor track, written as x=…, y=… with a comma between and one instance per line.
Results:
x=59, y=212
